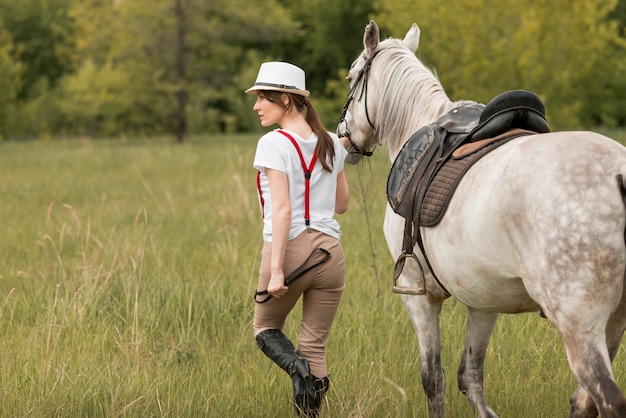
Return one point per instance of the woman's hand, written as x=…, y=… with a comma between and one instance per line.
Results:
x=277, y=287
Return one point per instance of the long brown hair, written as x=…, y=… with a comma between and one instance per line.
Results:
x=325, y=149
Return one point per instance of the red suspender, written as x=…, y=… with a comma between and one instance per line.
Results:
x=258, y=188
x=307, y=180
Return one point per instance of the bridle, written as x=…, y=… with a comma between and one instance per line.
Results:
x=361, y=76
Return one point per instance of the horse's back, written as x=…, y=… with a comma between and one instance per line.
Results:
x=564, y=174
x=541, y=205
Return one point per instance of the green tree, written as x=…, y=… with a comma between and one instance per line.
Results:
x=32, y=61
x=95, y=97
x=8, y=82
x=619, y=14
x=180, y=57
x=41, y=33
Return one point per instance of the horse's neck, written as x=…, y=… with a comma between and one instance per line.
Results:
x=411, y=97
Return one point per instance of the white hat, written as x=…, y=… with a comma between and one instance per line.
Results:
x=280, y=76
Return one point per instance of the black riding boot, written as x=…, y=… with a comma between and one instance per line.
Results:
x=320, y=387
x=277, y=347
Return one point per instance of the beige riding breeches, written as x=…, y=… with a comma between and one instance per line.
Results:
x=321, y=290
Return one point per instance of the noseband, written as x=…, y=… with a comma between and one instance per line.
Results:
x=361, y=76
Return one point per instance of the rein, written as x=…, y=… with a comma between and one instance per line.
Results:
x=300, y=271
x=342, y=129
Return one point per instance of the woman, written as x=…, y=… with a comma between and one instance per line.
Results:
x=301, y=184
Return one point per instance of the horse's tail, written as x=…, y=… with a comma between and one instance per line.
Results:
x=621, y=180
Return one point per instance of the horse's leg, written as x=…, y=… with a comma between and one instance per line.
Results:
x=588, y=333
x=589, y=360
x=480, y=326
x=424, y=316
x=581, y=402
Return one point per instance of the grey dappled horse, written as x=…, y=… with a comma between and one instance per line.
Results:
x=538, y=224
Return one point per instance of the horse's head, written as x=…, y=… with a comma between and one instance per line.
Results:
x=359, y=121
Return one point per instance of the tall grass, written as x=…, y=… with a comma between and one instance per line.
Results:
x=126, y=278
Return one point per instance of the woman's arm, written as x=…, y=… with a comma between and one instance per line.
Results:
x=281, y=221
x=343, y=193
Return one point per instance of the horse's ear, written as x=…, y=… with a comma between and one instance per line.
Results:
x=371, y=37
x=412, y=38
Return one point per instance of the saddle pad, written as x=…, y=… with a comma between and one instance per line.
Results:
x=423, y=149
x=446, y=180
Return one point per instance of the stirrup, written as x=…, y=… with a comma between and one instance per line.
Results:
x=407, y=290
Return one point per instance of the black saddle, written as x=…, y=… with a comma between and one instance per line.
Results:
x=432, y=146
x=510, y=110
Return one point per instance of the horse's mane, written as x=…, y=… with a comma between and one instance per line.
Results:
x=411, y=95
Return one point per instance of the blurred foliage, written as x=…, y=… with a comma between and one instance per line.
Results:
x=153, y=67
x=571, y=54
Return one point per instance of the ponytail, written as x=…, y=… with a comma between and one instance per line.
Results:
x=325, y=150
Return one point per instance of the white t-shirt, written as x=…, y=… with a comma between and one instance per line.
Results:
x=275, y=151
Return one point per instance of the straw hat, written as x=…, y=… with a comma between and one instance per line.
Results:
x=280, y=76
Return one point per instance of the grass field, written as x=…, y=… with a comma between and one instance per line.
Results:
x=127, y=270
